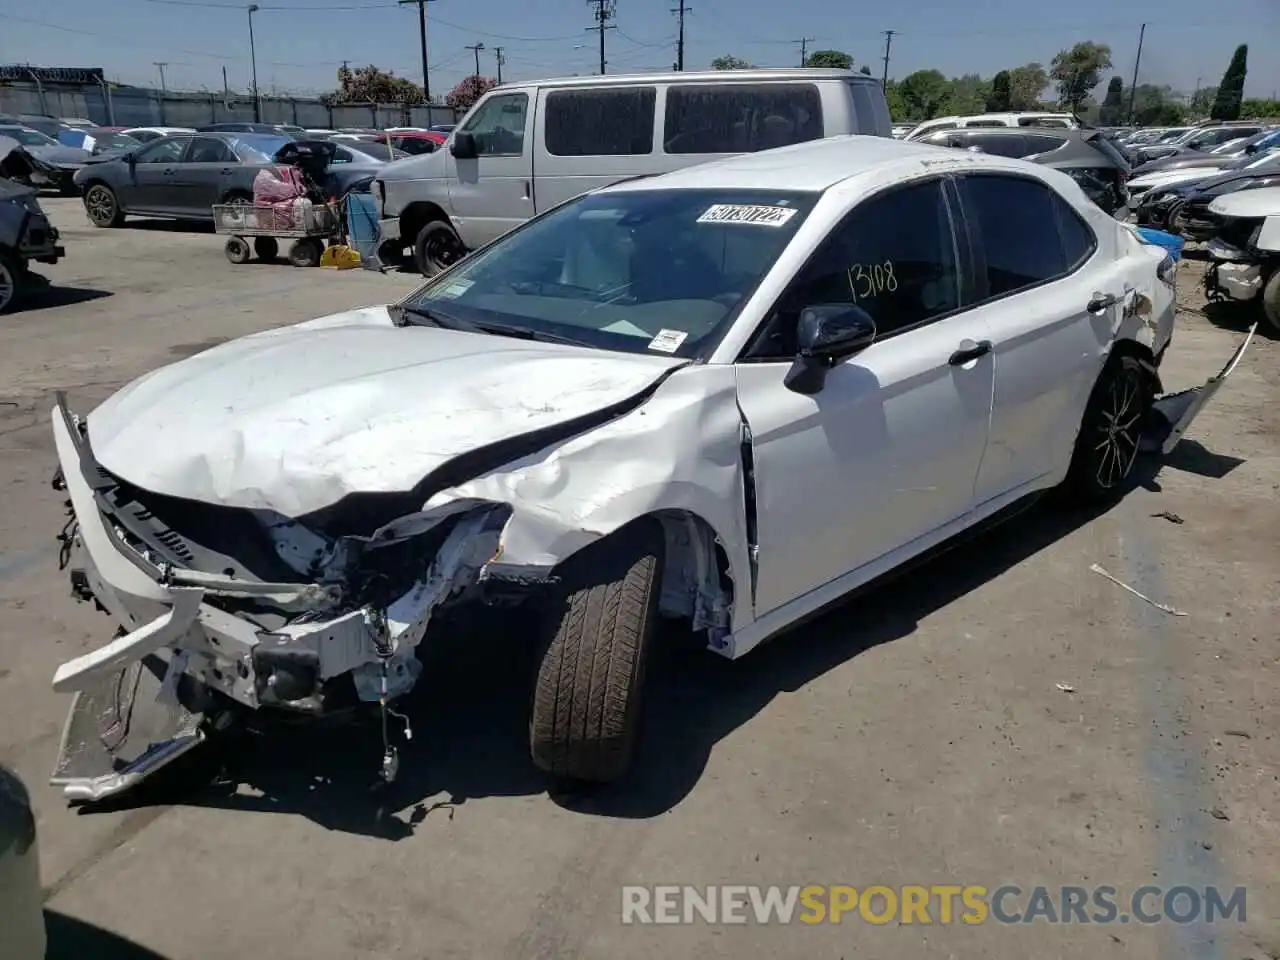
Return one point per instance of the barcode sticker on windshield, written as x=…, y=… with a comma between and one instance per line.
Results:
x=667, y=341
x=747, y=213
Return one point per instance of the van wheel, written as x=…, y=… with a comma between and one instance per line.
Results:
x=1271, y=301
x=437, y=248
x=599, y=628
x=1107, y=446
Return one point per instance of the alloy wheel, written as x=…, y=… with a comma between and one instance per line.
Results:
x=101, y=205
x=1119, y=430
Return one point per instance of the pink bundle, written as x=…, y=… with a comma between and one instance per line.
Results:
x=274, y=191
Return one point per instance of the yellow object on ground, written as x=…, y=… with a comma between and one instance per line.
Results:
x=340, y=257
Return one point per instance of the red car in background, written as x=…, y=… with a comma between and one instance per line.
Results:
x=418, y=141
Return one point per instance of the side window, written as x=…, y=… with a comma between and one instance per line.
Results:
x=1012, y=145
x=1042, y=122
x=1038, y=143
x=210, y=150
x=164, y=151
x=1078, y=241
x=741, y=117
x=893, y=256
x=498, y=126
x=1017, y=220
x=342, y=155
x=614, y=122
x=985, y=123
x=864, y=107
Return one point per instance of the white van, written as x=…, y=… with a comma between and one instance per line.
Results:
x=1028, y=118
x=527, y=147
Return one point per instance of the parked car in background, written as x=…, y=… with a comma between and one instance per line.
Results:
x=1150, y=185
x=442, y=127
x=356, y=162
x=26, y=235
x=529, y=146
x=1201, y=139
x=80, y=122
x=900, y=130
x=1029, y=118
x=238, y=127
x=291, y=128
x=1222, y=155
x=181, y=176
x=147, y=134
x=49, y=126
x=22, y=930
x=1087, y=156
x=64, y=161
x=1184, y=207
x=419, y=142
x=98, y=141
x=319, y=133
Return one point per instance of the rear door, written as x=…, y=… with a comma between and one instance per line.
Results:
x=207, y=172
x=150, y=185
x=589, y=138
x=1043, y=288
x=492, y=192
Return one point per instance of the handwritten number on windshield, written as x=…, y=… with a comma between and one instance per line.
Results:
x=868, y=280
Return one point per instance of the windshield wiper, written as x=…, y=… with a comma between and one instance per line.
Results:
x=527, y=333
x=403, y=314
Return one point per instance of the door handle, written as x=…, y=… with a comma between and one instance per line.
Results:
x=226, y=170
x=1100, y=302
x=528, y=194
x=964, y=355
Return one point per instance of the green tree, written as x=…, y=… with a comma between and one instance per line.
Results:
x=1001, y=98
x=1260, y=109
x=897, y=106
x=1202, y=102
x=1078, y=70
x=728, y=62
x=1226, y=106
x=969, y=95
x=1026, y=83
x=865, y=69
x=371, y=85
x=1112, y=112
x=1155, y=106
x=471, y=89
x=835, y=59
x=924, y=94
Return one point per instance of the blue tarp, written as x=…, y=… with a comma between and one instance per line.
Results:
x=363, y=228
x=1169, y=241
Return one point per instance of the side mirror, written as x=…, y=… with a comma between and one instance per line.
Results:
x=827, y=334
x=463, y=146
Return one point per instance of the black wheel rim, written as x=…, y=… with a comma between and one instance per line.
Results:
x=100, y=205
x=8, y=285
x=1116, y=446
x=443, y=249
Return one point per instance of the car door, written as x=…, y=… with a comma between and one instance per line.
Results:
x=1044, y=290
x=207, y=171
x=150, y=183
x=492, y=192
x=889, y=449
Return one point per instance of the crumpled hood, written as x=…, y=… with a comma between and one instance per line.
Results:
x=60, y=156
x=296, y=418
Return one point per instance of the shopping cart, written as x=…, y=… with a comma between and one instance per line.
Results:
x=308, y=225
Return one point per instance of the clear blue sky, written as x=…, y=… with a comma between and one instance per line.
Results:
x=301, y=43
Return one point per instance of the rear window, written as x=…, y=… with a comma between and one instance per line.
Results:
x=1042, y=122
x=600, y=123
x=1038, y=143
x=870, y=112
x=1014, y=146
x=740, y=118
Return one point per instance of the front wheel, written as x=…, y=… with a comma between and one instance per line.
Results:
x=10, y=280
x=600, y=624
x=1271, y=301
x=266, y=248
x=103, y=208
x=237, y=250
x=1107, y=446
x=306, y=252
x=437, y=248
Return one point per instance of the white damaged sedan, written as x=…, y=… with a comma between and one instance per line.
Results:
x=731, y=393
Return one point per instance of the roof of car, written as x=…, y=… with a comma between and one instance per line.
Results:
x=698, y=76
x=813, y=166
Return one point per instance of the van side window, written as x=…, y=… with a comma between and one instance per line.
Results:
x=740, y=118
x=498, y=126
x=614, y=122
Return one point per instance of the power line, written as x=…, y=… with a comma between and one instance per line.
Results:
x=604, y=12
x=888, y=43
x=680, y=11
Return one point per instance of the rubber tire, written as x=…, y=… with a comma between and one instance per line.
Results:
x=1082, y=485
x=266, y=248
x=16, y=274
x=1271, y=301
x=427, y=267
x=597, y=635
x=236, y=249
x=305, y=252
x=117, y=217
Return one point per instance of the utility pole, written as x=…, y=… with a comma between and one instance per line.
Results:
x=253, y=61
x=501, y=60
x=1133, y=87
x=603, y=13
x=476, y=48
x=804, y=48
x=680, y=11
x=161, y=65
x=422, y=38
x=888, y=42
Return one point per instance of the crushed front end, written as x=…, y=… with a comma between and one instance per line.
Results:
x=223, y=612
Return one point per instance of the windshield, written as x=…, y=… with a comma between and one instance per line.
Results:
x=257, y=147
x=28, y=138
x=113, y=141
x=1169, y=136
x=632, y=270
x=379, y=151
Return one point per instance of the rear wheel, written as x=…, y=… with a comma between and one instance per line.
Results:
x=237, y=250
x=305, y=252
x=103, y=208
x=600, y=624
x=437, y=248
x=266, y=248
x=1107, y=446
x=1271, y=301
x=10, y=280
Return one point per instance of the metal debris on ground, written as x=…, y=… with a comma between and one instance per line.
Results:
x=1065, y=687
x=1168, y=515
x=1141, y=596
x=1219, y=814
